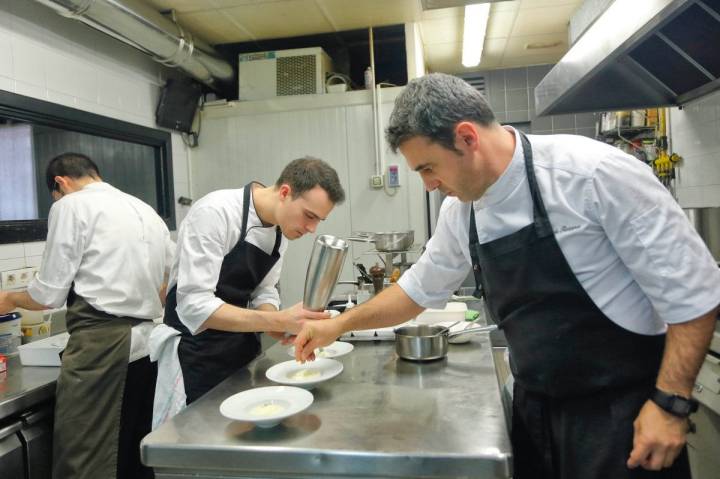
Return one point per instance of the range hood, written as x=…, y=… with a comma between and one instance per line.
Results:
x=637, y=55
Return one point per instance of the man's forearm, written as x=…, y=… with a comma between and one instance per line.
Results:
x=685, y=347
x=23, y=300
x=234, y=319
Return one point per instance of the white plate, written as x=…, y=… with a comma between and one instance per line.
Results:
x=336, y=349
x=267, y=406
x=305, y=375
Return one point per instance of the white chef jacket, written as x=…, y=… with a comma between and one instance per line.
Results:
x=623, y=235
x=114, y=247
x=208, y=233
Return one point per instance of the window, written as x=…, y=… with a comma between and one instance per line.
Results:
x=135, y=159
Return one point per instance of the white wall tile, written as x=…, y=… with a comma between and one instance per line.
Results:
x=7, y=84
x=27, y=89
x=13, y=250
x=33, y=261
x=6, y=58
x=10, y=264
x=29, y=62
x=35, y=248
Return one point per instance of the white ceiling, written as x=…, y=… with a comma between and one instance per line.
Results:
x=520, y=32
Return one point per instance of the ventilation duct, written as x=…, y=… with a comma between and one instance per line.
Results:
x=637, y=55
x=140, y=26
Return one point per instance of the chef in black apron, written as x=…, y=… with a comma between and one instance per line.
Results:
x=106, y=254
x=223, y=284
x=593, y=398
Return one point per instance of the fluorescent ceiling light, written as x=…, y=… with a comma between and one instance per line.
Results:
x=476, y=20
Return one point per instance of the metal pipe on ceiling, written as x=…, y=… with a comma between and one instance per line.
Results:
x=138, y=25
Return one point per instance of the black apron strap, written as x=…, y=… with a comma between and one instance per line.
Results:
x=474, y=256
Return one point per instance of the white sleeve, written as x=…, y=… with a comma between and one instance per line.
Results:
x=201, y=250
x=266, y=292
x=654, y=239
x=445, y=263
x=61, y=260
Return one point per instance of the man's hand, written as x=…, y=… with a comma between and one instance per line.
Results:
x=6, y=304
x=659, y=438
x=296, y=315
x=315, y=334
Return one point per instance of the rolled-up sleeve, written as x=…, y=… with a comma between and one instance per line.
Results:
x=61, y=259
x=201, y=249
x=443, y=266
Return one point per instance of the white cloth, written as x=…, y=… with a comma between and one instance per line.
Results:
x=624, y=236
x=139, y=338
x=170, y=387
x=208, y=233
x=112, y=246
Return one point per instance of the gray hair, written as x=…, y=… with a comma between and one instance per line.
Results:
x=431, y=106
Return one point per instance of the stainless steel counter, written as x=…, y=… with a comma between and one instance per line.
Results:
x=382, y=417
x=24, y=386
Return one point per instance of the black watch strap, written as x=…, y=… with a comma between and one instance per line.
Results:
x=676, y=405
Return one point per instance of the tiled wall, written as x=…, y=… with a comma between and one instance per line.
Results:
x=695, y=135
x=511, y=95
x=46, y=56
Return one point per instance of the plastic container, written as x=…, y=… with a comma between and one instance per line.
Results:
x=45, y=352
x=10, y=333
x=453, y=311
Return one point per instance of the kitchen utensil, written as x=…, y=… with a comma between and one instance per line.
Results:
x=266, y=406
x=426, y=343
x=323, y=270
x=390, y=241
x=306, y=375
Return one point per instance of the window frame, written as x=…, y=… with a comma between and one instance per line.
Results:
x=40, y=112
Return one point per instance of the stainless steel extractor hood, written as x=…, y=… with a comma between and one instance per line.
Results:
x=637, y=55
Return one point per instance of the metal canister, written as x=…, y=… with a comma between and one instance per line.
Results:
x=324, y=267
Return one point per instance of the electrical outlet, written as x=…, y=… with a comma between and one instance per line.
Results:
x=376, y=181
x=17, y=278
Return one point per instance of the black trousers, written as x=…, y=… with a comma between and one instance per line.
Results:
x=136, y=422
x=588, y=437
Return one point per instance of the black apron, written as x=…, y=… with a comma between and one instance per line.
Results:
x=103, y=406
x=209, y=357
x=580, y=379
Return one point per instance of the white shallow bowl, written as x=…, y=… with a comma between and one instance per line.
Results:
x=267, y=406
x=334, y=350
x=306, y=375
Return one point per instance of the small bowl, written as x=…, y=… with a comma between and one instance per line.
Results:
x=266, y=406
x=305, y=375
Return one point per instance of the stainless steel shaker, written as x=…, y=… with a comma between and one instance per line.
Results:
x=326, y=262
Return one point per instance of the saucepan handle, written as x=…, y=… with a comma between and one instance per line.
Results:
x=478, y=330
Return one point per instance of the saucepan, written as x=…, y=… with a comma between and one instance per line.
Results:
x=387, y=242
x=427, y=342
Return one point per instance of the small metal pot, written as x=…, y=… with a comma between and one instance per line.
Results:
x=426, y=342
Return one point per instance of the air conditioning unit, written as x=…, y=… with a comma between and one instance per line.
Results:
x=300, y=71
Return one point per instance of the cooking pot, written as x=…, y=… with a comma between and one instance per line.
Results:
x=425, y=342
x=387, y=242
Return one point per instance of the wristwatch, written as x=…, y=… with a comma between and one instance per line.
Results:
x=676, y=405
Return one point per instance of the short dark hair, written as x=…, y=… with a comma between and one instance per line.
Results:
x=74, y=165
x=431, y=106
x=304, y=174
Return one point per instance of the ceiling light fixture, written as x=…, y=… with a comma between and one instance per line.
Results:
x=476, y=20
